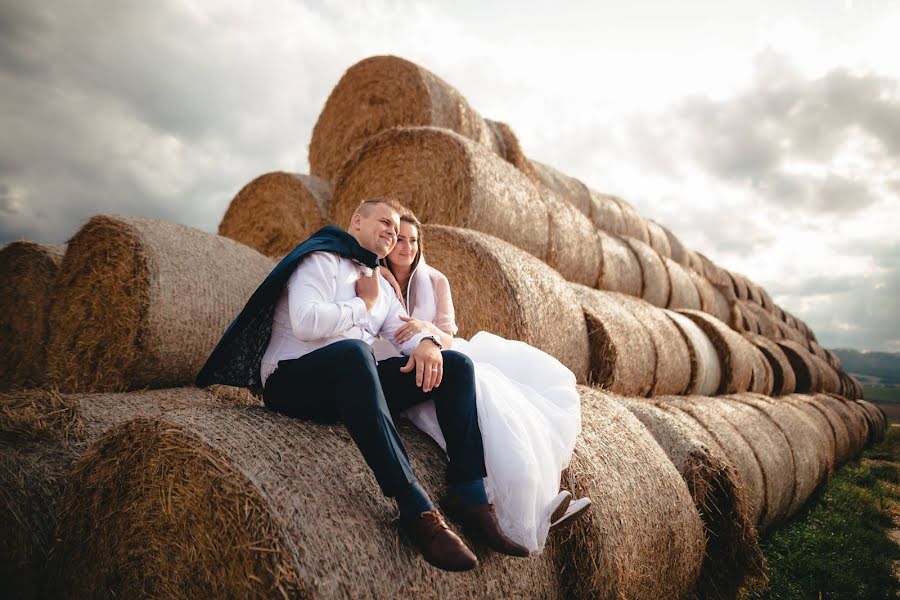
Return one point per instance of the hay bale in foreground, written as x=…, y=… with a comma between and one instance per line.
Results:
x=659, y=241
x=706, y=370
x=733, y=560
x=42, y=433
x=655, y=280
x=877, y=421
x=28, y=272
x=606, y=213
x=245, y=503
x=567, y=188
x=783, y=379
x=733, y=350
x=704, y=419
x=643, y=537
x=276, y=211
x=620, y=269
x=684, y=294
x=806, y=372
x=382, y=92
x=623, y=357
x=142, y=302
x=808, y=444
x=445, y=179
x=672, y=374
x=509, y=295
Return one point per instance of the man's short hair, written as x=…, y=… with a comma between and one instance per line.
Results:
x=366, y=205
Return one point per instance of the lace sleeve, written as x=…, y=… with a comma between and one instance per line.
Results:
x=445, y=316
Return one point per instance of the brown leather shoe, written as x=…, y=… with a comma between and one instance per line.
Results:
x=437, y=543
x=480, y=520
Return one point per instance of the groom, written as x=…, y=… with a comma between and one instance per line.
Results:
x=310, y=326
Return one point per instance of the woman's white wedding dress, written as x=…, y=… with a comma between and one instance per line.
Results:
x=529, y=413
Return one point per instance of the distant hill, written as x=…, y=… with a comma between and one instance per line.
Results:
x=883, y=366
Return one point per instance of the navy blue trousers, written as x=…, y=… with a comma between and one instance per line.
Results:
x=342, y=382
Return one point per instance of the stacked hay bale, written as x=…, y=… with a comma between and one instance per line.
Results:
x=142, y=302
x=620, y=269
x=28, y=272
x=655, y=287
x=235, y=503
x=276, y=211
x=735, y=353
x=706, y=370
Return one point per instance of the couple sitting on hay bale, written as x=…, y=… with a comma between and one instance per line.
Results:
x=364, y=342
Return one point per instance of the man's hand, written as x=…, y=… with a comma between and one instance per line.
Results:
x=428, y=363
x=412, y=327
x=367, y=289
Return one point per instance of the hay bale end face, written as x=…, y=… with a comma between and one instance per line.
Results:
x=806, y=372
x=142, y=302
x=28, y=272
x=501, y=289
x=659, y=241
x=620, y=269
x=643, y=537
x=235, y=503
x=733, y=350
x=623, y=357
x=684, y=294
x=606, y=213
x=276, y=211
x=706, y=370
x=446, y=179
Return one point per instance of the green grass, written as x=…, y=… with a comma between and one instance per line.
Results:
x=881, y=393
x=837, y=547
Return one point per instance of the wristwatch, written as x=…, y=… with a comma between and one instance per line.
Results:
x=434, y=339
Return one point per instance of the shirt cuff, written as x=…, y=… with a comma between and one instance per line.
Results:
x=358, y=310
x=414, y=341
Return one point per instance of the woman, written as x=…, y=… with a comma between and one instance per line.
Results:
x=528, y=408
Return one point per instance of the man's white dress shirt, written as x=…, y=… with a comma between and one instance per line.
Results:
x=319, y=306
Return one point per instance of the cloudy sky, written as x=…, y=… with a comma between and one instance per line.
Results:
x=765, y=134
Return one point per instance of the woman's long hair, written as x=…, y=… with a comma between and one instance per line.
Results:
x=412, y=220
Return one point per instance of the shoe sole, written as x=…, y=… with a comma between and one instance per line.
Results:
x=581, y=506
x=563, y=506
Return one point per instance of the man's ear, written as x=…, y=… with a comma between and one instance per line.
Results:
x=355, y=220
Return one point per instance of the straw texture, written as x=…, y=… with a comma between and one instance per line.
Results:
x=620, y=269
x=276, y=211
x=623, y=357
x=28, y=272
x=877, y=421
x=763, y=375
x=839, y=430
x=567, y=188
x=733, y=350
x=857, y=427
x=805, y=370
x=783, y=380
x=606, y=213
x=677, y=250
x=501, y=289
x=659, y=241
x=643, y=537
x=635, y=225
x=825, y=437
x=733, y=559
x=573, y=249
x=655, y=280
x=245, y=503
x=706, y=371
x=446, y=179
x=142, y=302
x=683, y=294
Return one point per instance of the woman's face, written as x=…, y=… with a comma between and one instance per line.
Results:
x=404, y=253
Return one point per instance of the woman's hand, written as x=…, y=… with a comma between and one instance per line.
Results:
x=412, y=327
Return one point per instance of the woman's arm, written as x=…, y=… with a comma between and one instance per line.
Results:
x=445, y=316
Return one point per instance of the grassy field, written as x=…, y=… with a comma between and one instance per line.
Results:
x=839, y=547
x=881, y=393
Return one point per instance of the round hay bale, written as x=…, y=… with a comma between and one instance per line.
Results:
x=824, y=429
x=739, y=282
x=767, y=302
x=705, y=290
x=834, y=360
x=842, y=449
x=446, y=179
x=42, y=433
x=860, y=419
x=659, y=241
x=754, y=292
x=808, y=446
x=606, y=213
x=620, y=269
x=720, y=307
x=673, y=358
x=733, y=560
x=506, y=144
x=805, y=369
x=643, y=537
x=789, y=333
x=655, y=280
x=203, y=504
x=694, y=261
x=276, y=211
x=142, y=302
x=706, y=371
x=382, y=92
x=817, y=350
x=677, y=251
x=716, y=275
x=857, y=428
x=828, y=378
x=742, y=319
x=635, y=226
x=773, y=452
x=573, y=249
x=783, y=380
x=703, y=417
x=733, y=350
x=762, y=381
x=765, y=322
x=877, y=421
x=566, y=188
x=28, y=272
x=501, y=289
x=683, y=293
x=623, y=357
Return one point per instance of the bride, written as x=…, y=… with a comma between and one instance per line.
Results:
x=529, y=411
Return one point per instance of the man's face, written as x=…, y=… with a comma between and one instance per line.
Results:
x=376, y=229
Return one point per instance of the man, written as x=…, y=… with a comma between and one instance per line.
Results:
x=324, y=304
